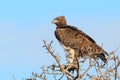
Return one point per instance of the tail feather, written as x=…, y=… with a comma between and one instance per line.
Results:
x=102, y=57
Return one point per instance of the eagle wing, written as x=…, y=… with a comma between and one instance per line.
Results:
x=71, y=37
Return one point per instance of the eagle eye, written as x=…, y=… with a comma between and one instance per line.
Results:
x=58, y=19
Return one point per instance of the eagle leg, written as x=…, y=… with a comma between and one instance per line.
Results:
x=70, y=67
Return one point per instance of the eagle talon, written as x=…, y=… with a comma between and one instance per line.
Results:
x=70, y=67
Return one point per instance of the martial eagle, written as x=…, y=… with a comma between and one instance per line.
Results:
x=76, y=42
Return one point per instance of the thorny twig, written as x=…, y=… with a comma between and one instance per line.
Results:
x=107, y=73
x=85, y=72
x=100, y=75
x=57, y=60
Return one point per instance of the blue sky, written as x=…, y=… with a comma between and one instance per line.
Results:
x=25, y=23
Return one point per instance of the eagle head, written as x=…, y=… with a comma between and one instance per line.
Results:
x=60, y=21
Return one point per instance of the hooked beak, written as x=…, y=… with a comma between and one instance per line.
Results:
x=55, y=21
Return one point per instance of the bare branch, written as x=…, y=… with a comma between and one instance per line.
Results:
x=64, y=71
x=85, y=72
x=79, y=70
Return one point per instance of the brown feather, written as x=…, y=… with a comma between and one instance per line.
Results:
x=76, y=39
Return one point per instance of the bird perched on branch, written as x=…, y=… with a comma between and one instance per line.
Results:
x=76, y=42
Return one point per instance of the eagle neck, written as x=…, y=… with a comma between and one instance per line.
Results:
x=62, y=27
